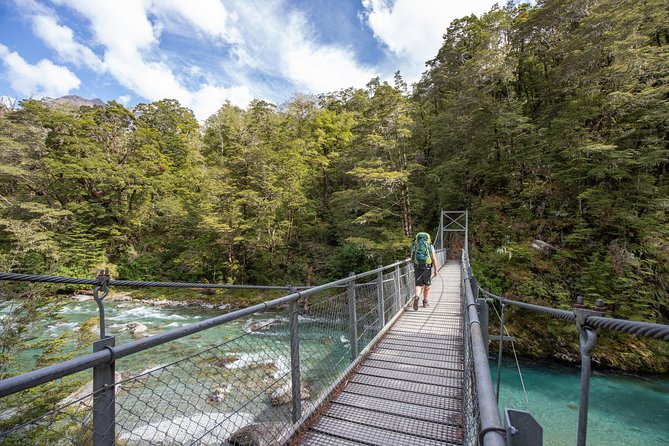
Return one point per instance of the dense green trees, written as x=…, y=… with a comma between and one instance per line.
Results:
x=558, y=116
x=549, y=122
x=552, y=123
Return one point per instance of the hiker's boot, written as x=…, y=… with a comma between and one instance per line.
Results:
x=415, y=303
x=424, y=303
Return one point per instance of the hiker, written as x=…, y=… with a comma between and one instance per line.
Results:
x=425, y=265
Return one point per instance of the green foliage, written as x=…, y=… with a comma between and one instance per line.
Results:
x=549, y=122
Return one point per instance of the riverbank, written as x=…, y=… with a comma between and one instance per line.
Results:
x=541, y=337
x=228, y=300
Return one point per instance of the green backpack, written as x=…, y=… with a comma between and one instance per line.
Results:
x=421, y=251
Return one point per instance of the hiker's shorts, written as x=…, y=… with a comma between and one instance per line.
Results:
x=423, y=275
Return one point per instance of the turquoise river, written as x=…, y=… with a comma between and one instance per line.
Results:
x=624, y=409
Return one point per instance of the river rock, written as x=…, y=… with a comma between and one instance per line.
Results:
x=284, y=394
x=259, y=434
x=8, y=413
x=85, y=392
x=542, y=246
x=136, y=328
x=199, y=428
x=81, y=297
x=119, y=297
x=218, y=394
x=263, y=325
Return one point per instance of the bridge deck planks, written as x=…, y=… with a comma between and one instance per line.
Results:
x=408, y=390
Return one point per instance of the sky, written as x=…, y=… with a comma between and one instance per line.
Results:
x=206, y=52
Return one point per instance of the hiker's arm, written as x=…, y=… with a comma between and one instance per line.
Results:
x=434, y=261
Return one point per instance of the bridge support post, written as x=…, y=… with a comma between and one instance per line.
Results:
x=104, y=404
x=353, y=318
x=398, y=288
x=587, y=341
x=441, y=231
x=379, y=299
x=296, y=380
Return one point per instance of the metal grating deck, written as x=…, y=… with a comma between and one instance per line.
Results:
x=408, y=390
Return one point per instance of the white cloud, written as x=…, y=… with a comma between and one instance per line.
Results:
x=209, y=98
x=321, y=68
x=132, y=54
x=42, y=79
x=124, y=99
x=257, y=36
x=282, y=44
x=209, y=16
x=413, y=30
x=61, y=39
x=264, y=48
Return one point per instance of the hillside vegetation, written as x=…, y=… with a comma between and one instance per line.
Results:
x=548, y=122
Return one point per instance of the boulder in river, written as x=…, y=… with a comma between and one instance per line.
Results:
x=284, y=394
x=265, y=325
x=119, y=297
x=82, y=297
x=136, y=328
x=218, y=394
x=259, y=434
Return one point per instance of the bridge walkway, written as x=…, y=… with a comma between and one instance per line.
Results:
x=408, y=390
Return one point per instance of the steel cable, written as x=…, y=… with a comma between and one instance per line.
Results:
x=651, y=330
x=648, y=329
x=131, y=283
x=515, y=356
x=562, y=314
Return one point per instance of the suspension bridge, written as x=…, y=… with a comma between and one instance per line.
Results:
x=345, y=363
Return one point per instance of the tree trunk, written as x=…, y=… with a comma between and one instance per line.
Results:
x=406, y=211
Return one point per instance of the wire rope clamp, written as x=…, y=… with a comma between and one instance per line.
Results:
x=103, y=285
x=582, y=313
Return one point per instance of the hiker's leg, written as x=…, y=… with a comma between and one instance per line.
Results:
x=426, y=291
x=418, y=290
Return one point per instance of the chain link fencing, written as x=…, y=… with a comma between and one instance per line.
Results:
x=471, y=419
x=235, y=392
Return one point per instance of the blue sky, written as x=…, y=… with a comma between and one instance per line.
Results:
x=206, y=52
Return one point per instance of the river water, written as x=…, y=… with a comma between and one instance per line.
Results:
x=624, y=409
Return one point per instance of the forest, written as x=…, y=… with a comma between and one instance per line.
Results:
x=548, y=122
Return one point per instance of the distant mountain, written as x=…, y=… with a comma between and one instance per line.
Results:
x=78, y=101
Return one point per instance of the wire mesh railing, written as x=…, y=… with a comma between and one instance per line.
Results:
x=255, y=385
x=471, y=420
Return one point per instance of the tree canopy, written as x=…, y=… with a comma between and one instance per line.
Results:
x=548, y=122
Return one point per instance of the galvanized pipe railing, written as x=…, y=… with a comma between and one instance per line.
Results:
x=587, y=322
x=491, y=432
x=106, y=353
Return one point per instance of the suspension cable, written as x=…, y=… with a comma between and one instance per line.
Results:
x=515, y=356
x=648, y=329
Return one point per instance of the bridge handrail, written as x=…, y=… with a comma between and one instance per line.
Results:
x=28, y=380
x=649, y=329
x=491, y=432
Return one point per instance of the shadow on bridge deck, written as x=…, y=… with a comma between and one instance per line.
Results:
x=408, y=390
